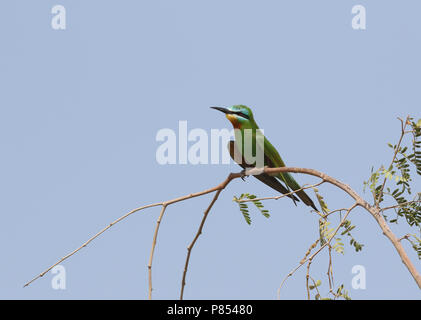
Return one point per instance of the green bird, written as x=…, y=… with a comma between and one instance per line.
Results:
x=242, y=118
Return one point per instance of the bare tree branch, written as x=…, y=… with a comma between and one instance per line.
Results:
x=400, y=205
x=191, y=245
x=309, y=259
x=373, y=210
x=158, y=223
x=166, y=203
x=282, y=195
x=91, y=239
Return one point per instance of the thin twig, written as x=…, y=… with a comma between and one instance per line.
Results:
x=403, y=127
x=405, y=237
x=330, y=271
x=283, y=195
x=158, y=222
x=374, y=211
x=310, y=259
x=287, y=276
x=191, y=245
x=315, y=286
x=333, y=211
x=91, y=239
x=303, y=261
x=189, y=196
x=313, y=245
x=400, y=205
x=307, y=278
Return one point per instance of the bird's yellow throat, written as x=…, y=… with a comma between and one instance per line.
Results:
x=233, y=120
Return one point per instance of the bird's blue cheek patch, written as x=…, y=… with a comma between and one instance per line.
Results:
x=241, y=120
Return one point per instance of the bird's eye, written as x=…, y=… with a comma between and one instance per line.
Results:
x=241, y=114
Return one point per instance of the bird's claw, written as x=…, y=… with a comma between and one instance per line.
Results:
x=243, y=175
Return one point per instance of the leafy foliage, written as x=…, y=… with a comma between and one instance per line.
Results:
x=316, y=284
x=321, y=201
x=411, y=210
x=348, y=227
x=395, y=180
x=372, y=183
x=405, y=162
x=244, y=207
x=325, y=232
x=342, y=293
x=415, y=156
x=415, y=242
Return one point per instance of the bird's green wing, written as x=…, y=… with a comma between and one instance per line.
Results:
x=274, y=160
x=265, y=178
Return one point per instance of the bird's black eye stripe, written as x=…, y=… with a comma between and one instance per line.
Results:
x=241, y=114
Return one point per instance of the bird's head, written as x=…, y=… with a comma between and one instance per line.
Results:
x=238, y=115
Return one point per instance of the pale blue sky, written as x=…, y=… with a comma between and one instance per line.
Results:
x=80, y=108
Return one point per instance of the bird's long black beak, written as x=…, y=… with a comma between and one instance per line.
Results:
x=224, y=110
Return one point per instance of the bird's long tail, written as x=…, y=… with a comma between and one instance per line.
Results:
x=291, y=183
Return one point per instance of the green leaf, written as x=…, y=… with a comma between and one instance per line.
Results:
x=244, y=207
x=316, y=284
x=321, y=201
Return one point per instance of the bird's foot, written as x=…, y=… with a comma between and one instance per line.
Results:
x=244, y=175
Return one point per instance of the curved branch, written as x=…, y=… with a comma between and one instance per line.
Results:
x=191, y=245
x=91, y=239
x=309, y=258
x=164, y=204
x=304, y=187
x=222, y=186
x=155, y=236
x=374, y=211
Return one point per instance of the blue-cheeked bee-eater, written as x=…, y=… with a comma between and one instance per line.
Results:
x=241, y=117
